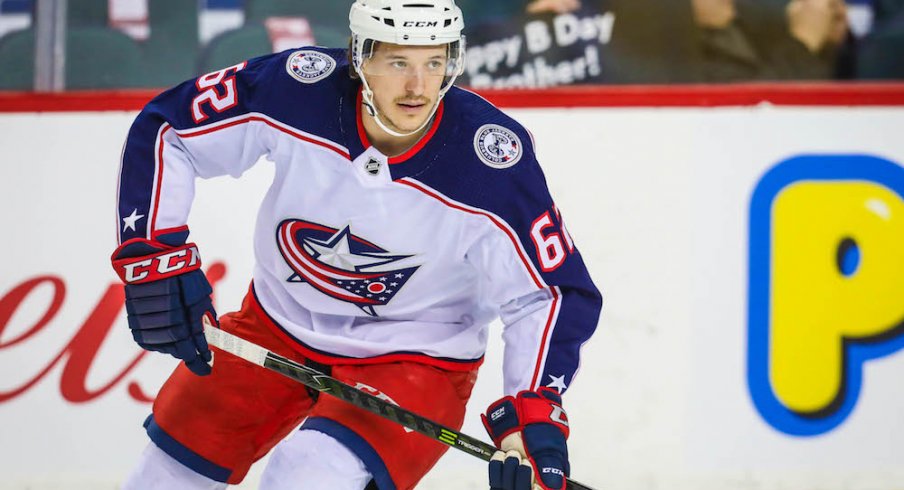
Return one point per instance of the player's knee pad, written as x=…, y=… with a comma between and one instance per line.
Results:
x=157, y=470
x=313, y=460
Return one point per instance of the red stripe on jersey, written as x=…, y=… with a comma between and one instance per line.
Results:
x=330, y=360
x=207, y=130
x=119, y=224
x=423, y=141
x=530, y=270
x=250, y=118
x=159, y=183
x=365, y=141
x=550, y=320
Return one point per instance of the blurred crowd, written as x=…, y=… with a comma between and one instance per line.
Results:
x=708, y=41
x=512, y=43
x=770, y=39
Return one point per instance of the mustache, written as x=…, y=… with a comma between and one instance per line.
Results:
x=412, y=100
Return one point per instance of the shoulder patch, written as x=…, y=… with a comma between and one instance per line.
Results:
x=498, y=147
x=308, y=66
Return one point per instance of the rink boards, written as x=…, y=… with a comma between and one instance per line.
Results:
x=750, y=260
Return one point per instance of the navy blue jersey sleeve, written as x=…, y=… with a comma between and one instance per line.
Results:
x=221, y=123
x=182, y=134
x=533, y=271
x=544, y=328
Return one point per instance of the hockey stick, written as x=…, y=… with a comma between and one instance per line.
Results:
x=312, y=378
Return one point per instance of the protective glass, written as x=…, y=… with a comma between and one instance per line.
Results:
x=382, y=66
x=380, y=63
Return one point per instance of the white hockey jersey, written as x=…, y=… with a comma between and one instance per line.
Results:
x=365, y=258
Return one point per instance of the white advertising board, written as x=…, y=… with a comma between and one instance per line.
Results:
x=750, y=260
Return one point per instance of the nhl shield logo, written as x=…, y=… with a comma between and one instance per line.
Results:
x=309, y=66
x=342, y=265
x=372, y=166
x=497, y=146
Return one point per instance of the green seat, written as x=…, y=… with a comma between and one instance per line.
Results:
x=172, y=48
x=17, y=59
x=102, y=58
x=87, y=13
x=235, y=46
x=96, y=58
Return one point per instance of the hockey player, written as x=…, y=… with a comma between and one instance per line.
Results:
x=405, y=215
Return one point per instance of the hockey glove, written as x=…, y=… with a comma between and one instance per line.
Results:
x=167, y=294
x=530, y=430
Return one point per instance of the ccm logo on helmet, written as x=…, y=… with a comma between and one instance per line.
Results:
x=420, y=23
x=152, y=268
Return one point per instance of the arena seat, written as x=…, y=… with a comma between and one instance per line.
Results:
x=95, y=58
x=172, y=48
x=87, y=13
x=17, y=57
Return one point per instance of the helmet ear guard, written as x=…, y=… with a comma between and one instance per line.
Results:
x=407, y=23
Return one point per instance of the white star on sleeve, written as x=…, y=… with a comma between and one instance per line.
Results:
x=129, y=221
x=558, y=382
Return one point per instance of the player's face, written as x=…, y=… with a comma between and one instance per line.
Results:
x=406, y=81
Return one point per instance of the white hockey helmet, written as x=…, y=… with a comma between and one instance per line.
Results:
x=406, y=22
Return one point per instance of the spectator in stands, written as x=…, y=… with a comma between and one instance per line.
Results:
x=769, y=39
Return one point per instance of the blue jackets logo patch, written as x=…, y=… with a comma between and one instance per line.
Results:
x=340, y=264
x=497, y=146
x=308, y=66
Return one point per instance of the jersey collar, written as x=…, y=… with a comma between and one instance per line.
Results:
x=365, y=142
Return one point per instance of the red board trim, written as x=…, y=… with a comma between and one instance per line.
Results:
x=749, y=94
x=792, y=94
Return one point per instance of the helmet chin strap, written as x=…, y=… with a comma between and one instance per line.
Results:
x=368, y=96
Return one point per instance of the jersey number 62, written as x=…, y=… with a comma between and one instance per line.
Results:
x=219, y=99
x=551, y=246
